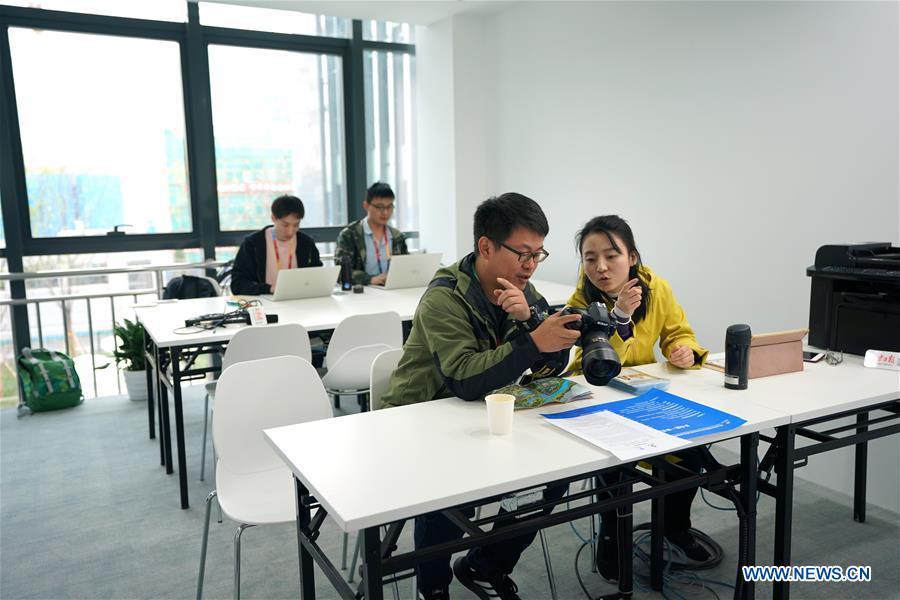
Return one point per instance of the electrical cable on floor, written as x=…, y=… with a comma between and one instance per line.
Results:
x=678, y=576
x=578, y=573
x=584, y=540
x=677, y=570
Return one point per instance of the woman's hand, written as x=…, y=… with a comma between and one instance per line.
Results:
x=682, y=357
x=629, y=297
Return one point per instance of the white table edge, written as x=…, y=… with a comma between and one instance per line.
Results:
x=407, y=512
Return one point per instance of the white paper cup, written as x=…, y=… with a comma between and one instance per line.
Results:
x=500, y=413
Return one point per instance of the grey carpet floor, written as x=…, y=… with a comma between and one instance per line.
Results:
x=87, y=512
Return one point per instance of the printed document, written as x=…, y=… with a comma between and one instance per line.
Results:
x=626, y=439
x=628, y=427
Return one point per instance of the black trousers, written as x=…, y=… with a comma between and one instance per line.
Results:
x=490, y=559
x=677, y=509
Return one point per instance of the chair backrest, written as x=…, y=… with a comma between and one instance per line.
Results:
x=351, y=371
x=383, y=367
x=259, y=394
x=253, y=343
x=364, y=330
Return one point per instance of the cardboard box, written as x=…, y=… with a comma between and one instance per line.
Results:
x=776, y=353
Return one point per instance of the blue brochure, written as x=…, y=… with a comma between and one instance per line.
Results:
x=664, y=412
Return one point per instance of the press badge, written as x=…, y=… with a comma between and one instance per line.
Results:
x=257, y=315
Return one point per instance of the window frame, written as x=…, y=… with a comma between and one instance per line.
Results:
x=193, y=40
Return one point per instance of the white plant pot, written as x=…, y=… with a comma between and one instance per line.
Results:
x=136, y=384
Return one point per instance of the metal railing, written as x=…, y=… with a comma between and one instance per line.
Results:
x=66, y=301
x=157, y=271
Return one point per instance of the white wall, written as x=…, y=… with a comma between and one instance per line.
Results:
x=455, y=139
x=475, y=138
x=735, y=137
x=435, y=160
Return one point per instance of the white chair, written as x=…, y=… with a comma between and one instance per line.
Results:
x=253, y=343
x=253, y=485
x=383, y=367
x=356, y=342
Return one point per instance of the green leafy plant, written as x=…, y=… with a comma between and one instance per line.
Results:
x=131, y=346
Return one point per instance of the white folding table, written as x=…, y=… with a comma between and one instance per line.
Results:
x=167, y=343
x=820, y=396
x=383, y=467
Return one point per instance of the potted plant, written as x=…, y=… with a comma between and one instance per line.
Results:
x=130, y=351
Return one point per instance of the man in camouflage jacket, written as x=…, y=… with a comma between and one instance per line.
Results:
x=355, y=240
x=478, y=327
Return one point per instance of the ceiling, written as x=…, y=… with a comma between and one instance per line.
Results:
x=417, y=12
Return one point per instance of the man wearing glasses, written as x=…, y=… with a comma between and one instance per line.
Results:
x=369, y=243
x=480, y=325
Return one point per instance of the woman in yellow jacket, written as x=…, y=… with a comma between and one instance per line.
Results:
x=646, y=312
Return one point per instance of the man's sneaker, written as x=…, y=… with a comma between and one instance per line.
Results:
x=438, y=594
x=484, y=586
x=689, y=545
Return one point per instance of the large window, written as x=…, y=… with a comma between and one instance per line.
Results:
x=279, y=129
x=389, y=129
x=103, y=133
x=183, y=120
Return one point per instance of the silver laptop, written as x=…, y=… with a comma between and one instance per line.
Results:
x=412, y=270
x=309, y=282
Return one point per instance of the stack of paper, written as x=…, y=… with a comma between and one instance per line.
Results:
x=657, y=422
x=626, y=439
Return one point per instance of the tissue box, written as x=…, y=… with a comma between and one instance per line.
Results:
x=776, y=353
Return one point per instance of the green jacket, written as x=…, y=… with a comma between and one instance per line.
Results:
x=461, y=345
x=351, y=242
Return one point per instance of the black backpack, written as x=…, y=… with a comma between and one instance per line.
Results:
x=184, y=287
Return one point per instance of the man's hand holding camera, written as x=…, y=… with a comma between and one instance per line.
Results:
x=552, y=335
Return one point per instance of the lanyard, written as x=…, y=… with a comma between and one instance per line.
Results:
x=278, y=256
x=387, y=249
x=497, y=333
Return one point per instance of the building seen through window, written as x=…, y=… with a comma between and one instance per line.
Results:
x=102, y=125
x=103, y=130
x=279, y=129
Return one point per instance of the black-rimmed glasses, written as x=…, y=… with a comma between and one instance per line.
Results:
x=537, y=256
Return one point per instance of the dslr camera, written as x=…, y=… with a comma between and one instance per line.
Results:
x=600, y=362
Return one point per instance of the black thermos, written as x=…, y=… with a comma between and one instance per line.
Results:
x=346, y=274
x=737, y=356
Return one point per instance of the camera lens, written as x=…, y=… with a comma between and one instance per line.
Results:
x=600, y=361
